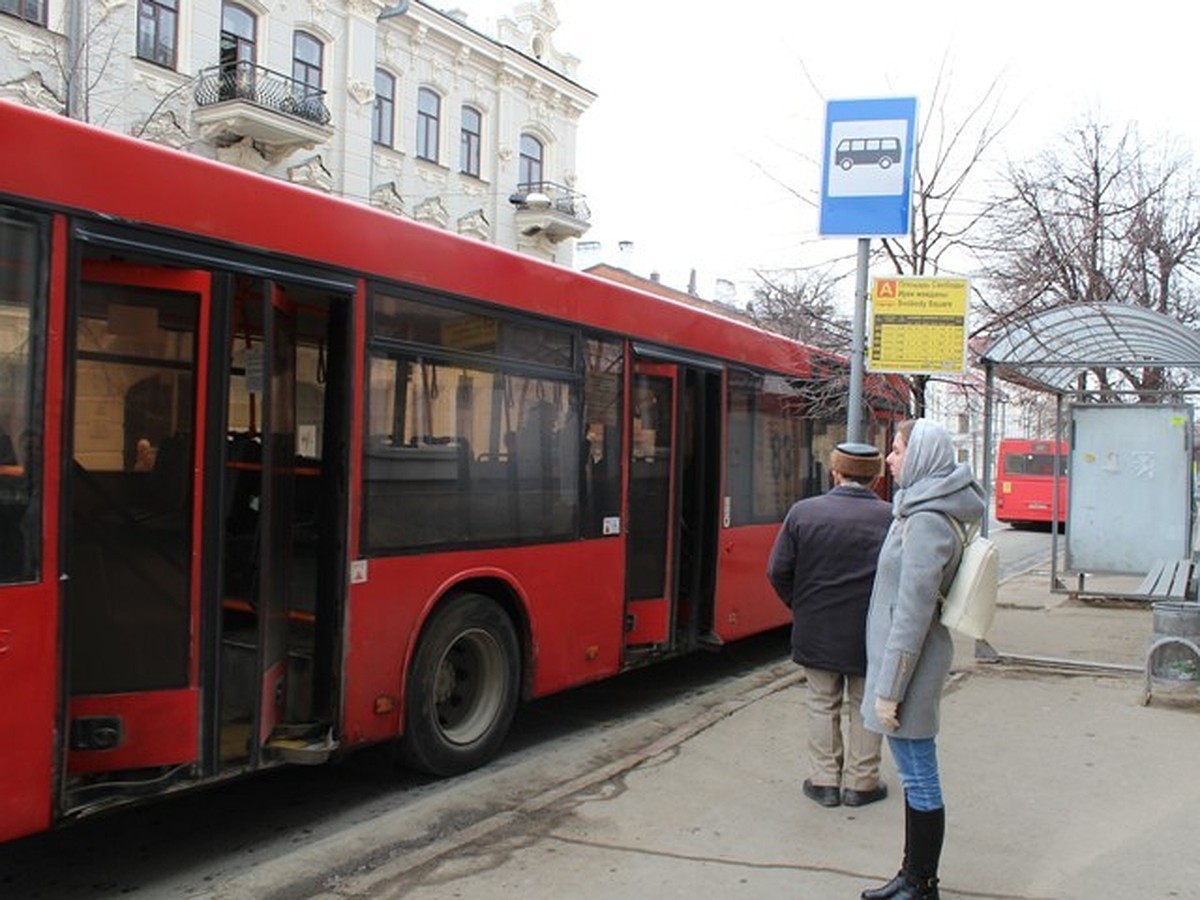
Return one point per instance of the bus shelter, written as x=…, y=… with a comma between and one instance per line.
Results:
x=1051, y=352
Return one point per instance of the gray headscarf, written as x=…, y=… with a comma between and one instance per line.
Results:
x=929, y=454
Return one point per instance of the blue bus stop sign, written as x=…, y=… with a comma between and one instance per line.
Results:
x=866, y=181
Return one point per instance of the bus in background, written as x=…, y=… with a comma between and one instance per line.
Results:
x=286, y=475
x=1025, y=481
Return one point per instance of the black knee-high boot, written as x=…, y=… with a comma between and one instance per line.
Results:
x=925, y=852
x=924, y=831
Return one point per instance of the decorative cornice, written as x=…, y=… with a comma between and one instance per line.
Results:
x=312, y=173
x=431, y=176
x=475, y=224
x=32, y=91
x=245, y=154
x=431, y=211
x=165, y=129
x=28, y=48
x=366, y=9
x=360, y=92
x=392, y=45
x=387, y=197
x=385, y=161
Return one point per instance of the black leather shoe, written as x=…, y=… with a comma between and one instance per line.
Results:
x=825, y=794
x=851, y=797
x=887, y=891
x=904, y=887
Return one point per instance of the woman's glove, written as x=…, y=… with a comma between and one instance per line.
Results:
x=888, y=713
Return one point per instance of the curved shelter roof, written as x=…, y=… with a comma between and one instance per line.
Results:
x=1047, y=351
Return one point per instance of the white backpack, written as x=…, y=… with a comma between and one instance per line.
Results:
x=969, y=603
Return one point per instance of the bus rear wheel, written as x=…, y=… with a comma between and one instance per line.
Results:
x=462, y=688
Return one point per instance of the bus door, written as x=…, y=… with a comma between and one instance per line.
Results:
x=132, y=538
x=282, y=521
x=674, y=427
x=263, y=483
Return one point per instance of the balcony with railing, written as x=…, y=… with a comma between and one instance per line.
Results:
x=549, y=209
x=245, y=100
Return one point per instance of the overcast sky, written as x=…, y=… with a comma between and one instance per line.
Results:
x=709, y=117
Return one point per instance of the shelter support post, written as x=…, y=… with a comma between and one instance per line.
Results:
x=989, y=387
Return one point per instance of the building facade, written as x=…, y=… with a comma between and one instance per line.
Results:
x=405, y=107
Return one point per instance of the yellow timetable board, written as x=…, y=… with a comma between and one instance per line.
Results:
x=918, y=325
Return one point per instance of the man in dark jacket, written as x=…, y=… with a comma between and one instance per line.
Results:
x=822, y=566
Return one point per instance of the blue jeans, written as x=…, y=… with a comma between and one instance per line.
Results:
x=916, y=763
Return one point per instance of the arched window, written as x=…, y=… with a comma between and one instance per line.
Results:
x=429, y=112
x=157, y=28
x=238, y=35
x=239, y=30
x=383, y=124
x=472, y=130
x=306, y=63
x=530, y=172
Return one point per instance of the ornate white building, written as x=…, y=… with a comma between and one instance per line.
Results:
x=405, y=107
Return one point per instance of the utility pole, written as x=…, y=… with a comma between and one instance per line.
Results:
x=76, y=67
x=854, y=413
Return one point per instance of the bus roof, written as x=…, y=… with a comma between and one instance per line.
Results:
x=58, y=161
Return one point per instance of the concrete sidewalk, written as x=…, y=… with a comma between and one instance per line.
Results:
x=1058, y=785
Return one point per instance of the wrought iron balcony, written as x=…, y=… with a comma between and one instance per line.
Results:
x=245, y=100
x=554, y=210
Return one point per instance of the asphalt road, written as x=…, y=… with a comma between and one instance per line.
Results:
x=184, y=845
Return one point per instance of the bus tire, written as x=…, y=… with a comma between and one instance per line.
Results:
x=463, y=687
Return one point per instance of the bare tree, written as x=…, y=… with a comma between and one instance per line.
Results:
x=801, y=304
x=1099, y=218
x=94, y=39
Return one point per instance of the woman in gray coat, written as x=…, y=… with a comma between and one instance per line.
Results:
x=908, y=649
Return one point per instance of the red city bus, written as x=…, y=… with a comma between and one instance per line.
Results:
x=1025, y=481
x=284, y=475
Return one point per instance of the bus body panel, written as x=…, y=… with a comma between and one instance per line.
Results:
x=574, y=619
x=29, y=698
x=746, y=602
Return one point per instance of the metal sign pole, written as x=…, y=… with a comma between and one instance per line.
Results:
x=854, y=412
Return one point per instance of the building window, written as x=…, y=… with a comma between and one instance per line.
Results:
x=383, y=122
x=157, y=26
x=30, y=10
x=530, y=173
x=429, y=110
x=238, y=51
x=306, y=65
x=472, y=128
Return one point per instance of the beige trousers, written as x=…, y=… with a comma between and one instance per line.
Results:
x=851, y=763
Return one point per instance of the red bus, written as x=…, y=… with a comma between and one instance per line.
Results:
x=1025, y=481
x=283, y=475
